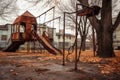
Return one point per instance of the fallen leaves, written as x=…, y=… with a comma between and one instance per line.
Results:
x=112, y=67
x=106, y=65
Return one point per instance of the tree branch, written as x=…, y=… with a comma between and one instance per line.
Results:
x=117, y=22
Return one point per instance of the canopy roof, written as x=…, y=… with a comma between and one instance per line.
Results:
x=28, y=14
x=26, y=17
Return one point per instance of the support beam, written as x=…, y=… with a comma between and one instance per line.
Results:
x=46, y=11
x=64, y=39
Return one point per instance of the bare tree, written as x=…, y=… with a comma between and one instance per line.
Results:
x=104, y=29
x=103, y=26
x=7, y=7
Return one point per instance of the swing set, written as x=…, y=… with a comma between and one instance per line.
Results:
x=88, y=12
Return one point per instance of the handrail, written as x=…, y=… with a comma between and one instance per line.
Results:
x=45, y=12
x=52, y=20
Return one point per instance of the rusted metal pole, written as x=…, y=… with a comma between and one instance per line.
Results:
x=93, y=34
x=64, y=38
x=59, y=35
x=53, y=24
x=46, y=11
x=51, y=20
x=76, y=56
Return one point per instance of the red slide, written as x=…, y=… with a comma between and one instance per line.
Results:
x=13, y=46
x=46, y=44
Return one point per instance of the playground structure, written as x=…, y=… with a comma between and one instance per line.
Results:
x=24, y=29
x=21, y=31
x=27, y=22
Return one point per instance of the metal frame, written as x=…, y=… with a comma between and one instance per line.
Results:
x=64, y=35
x=53, y=8
x=76, y=53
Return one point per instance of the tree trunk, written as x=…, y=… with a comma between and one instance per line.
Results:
x=104, y=29
x=83, y=43
x=105, y=32
x=105, y=44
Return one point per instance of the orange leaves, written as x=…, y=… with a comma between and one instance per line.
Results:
x=112, y=66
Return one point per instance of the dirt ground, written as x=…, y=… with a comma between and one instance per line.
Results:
x=45, y=66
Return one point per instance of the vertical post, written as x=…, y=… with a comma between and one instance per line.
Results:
x=39, y=26
x=93, y=35
x=12, y=31
x=59, y=35
x=34, y=45
x=53, y=23
x=28, y=47
x=64, y=39
x=76, y=40
x=18, y=30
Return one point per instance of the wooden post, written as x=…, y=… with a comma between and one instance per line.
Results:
x=28, y=47
x=34, y=45
x=14, y=29
x=64, y=39
x=18, y=30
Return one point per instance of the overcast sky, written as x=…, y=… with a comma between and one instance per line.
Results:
x=39, y=9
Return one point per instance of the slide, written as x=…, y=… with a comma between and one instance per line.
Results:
x=44, y=40
x=47, y=44
x=13, y=46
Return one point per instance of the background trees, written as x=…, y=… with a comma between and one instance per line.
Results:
x=104, y=29
x=7, y=9
x=103, y=24
x=83, y=23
